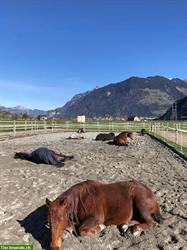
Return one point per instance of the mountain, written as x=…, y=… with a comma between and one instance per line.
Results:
x=145, y=97
x=61, y=112
x=177, y=111
x=22, y=110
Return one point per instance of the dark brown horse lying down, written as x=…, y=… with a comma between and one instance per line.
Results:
x=105, y=137
x=89, y=206
x=142, y=131
x=121, y=139
x=44, y=155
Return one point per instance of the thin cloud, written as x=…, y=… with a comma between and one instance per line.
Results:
x=21, y=86
x=39, y=96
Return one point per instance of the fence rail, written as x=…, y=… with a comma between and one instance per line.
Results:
x=172, y=135
x=171, y=132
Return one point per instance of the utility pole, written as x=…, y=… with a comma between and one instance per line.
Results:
x=174, y=112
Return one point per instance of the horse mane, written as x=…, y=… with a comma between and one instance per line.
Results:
x=74, y=197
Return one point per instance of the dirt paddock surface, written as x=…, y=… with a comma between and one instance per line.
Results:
x=25, y=185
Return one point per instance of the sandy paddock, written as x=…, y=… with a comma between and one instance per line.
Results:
x=25, y=185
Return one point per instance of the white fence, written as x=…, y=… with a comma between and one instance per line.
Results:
x=175, y=132
x=175, y=135
x=15, y=127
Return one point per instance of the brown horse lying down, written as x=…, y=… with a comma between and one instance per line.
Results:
x=105, y=137
x=121, y=139
x=89, y=205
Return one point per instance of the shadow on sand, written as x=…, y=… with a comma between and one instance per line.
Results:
x=35, y=223
x=113, y=143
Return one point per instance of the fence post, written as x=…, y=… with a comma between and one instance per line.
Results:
x=35, y=125
x=112, y=126
x=52, y=126
x=181, y=142
x=165, y=132
x=150, y=127
x=14, y=128
x=31, y=127
x=155, y=128
x=45, y=126
x=67, y=125
x=97, y=125
x=25, y=125
x=177, y=133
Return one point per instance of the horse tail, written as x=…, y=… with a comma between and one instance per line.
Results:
x=22, y=155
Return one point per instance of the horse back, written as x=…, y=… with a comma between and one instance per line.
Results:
x=107, y=203
x=115, y=203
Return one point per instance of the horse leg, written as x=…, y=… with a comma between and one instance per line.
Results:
x=90, y=228
x=95, y=230
x=138, y=228
x=131, y=223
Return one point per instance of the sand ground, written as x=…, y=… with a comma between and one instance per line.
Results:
x=25, y=185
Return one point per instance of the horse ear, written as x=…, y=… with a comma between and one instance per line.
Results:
x=48, y=202
x=64, y=202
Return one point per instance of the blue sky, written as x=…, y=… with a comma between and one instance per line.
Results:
x=51, y=50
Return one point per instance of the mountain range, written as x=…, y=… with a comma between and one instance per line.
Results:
x=137, y=96
x=23, y=110
x=145, y=97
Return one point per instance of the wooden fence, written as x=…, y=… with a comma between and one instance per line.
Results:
x=174, y=133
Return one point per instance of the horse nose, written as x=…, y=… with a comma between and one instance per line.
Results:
x=55, y=245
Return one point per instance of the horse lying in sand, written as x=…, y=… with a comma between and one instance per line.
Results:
x=44, y=155
x=80, y=130
x=129, y=134
x=105, y=137
x=121, y=139
x=142, y=132
x=78, y=134
x=89, y=206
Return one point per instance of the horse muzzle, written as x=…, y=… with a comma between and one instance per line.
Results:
x=56, y=245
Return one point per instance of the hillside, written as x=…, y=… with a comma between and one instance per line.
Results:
x=146, y=97
x=181, y=108
x=23, y=110
x=4, y=115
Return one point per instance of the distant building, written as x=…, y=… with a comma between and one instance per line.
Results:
x=133, y=118
x=81, y=118
x=42, y=117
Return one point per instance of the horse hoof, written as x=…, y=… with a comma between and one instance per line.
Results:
x=124, y=228
x=136, y=233
x=102, y=227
